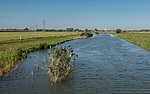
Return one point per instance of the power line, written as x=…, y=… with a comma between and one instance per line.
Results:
x=36, y=26
x=44, y=24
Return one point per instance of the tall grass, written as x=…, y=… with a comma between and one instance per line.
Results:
x=61, y=63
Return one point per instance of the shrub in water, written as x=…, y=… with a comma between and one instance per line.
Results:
x=61, y=63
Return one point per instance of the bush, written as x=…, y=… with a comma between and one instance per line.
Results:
x=118, y=31
x=61, y=63
x=86, y=34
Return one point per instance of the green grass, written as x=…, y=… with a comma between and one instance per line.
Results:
x=16, y=35
x=140, y=39
x=13, y=49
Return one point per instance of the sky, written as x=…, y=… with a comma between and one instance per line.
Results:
x=82, y=14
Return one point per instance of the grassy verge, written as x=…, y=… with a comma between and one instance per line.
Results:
x=140, y=39
x=13, y=50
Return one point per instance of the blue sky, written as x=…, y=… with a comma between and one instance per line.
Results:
x=60, y=14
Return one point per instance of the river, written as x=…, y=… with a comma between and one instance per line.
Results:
x=105, y=65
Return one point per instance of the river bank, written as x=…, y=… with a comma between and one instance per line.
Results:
x=13, y=51
x=141, y=39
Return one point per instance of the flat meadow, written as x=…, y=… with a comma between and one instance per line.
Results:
x=24, y=35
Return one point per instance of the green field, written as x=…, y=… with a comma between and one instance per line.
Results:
x=141, y=39
x=16, y=35
x=12, y=48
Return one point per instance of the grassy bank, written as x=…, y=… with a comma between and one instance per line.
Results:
x=140, y=39
x=12, y=50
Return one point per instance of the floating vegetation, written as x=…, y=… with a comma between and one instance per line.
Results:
x=61, y=63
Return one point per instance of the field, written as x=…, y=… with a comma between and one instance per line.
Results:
x=141, y=39
x=16, y=35
x=14, y=48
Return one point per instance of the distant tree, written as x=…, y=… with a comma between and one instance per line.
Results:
x=26, y=29
x=118, y=31
x=95, y=29
x=86, y=30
